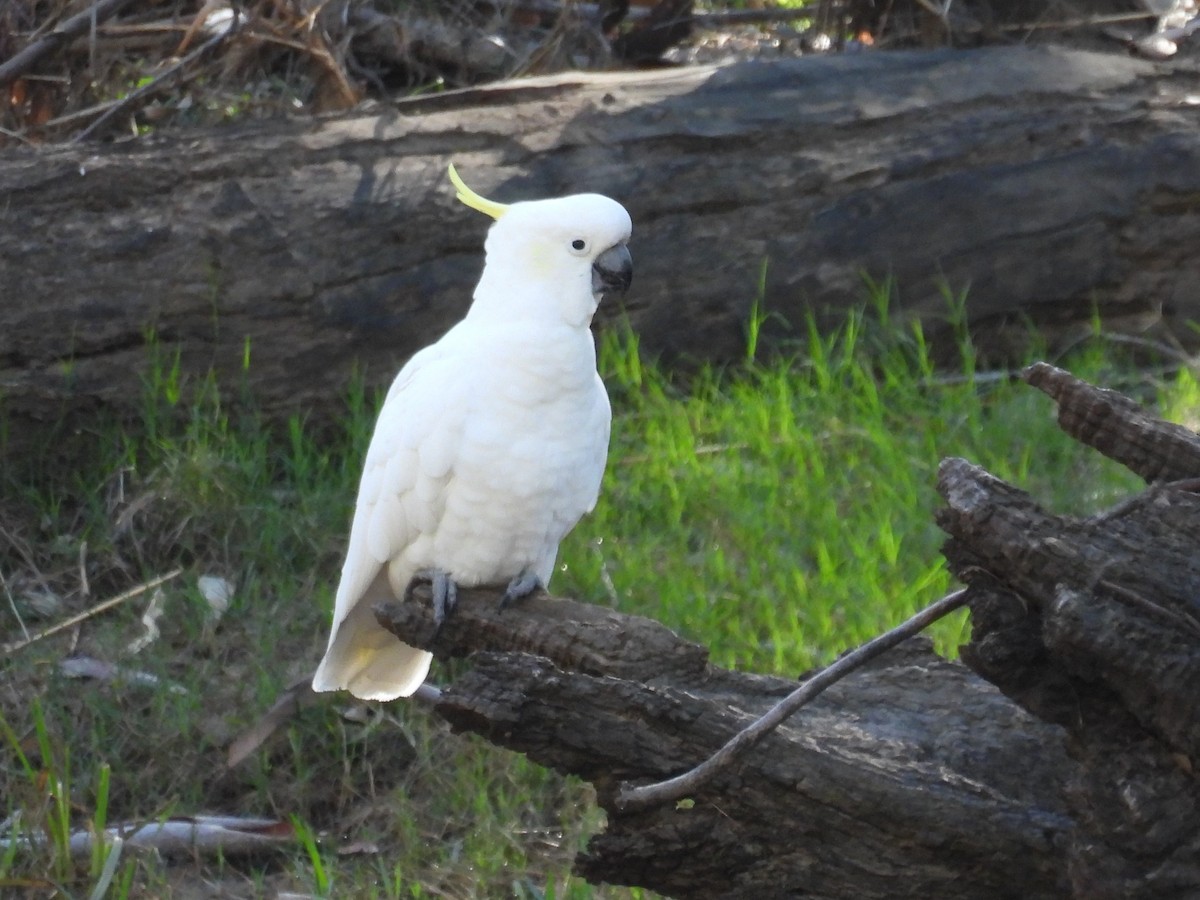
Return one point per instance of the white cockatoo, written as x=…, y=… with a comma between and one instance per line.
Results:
x=491, y=443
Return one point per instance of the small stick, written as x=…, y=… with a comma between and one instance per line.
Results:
x=12, y=604
x=85, y=589
x=94, y=611
x=689, y=782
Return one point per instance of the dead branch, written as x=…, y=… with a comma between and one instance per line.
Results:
x=1092, y=623
x=156, y=83
x=206, y=835
x=1158, y=451
x=885, y=784
x=88, y=613
x=908, y=765
x=752, y=735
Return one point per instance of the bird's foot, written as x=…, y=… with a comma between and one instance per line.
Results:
x=520, y=587
x=444, y=590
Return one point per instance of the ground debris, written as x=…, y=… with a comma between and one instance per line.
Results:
x=74, y=69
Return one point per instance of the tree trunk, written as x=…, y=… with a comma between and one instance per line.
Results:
x=1047, y=181
x=915, y=777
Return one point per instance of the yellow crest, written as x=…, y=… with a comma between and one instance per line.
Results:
x=473, y=200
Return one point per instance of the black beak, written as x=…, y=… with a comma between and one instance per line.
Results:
x=612, y=270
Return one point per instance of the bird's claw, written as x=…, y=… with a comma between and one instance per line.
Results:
x=444, y=591
x=445, y=598
x=520, y=587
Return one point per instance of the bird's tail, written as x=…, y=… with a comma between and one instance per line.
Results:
x=366, y=659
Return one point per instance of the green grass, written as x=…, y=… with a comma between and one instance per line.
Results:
x=780, y=512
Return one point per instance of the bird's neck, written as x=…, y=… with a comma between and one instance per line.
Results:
x=506, y=297
x=556, y=354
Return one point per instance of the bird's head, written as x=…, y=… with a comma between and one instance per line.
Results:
x=551, y=257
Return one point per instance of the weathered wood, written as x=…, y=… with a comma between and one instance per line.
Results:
x=1095, y=624
x=1046, y=180
x=913, y=777
x=1158, y=451
x=895, y=783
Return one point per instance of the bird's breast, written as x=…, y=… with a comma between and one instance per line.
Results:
x=529, y=462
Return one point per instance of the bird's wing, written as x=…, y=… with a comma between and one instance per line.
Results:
x=603, y=426
x=407, y=467
x=400, y=499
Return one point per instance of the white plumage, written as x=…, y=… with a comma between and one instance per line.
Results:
x=492, y=442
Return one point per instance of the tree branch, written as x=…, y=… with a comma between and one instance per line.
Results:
x=900, y=778
x=752, y=735
x=1119, y=428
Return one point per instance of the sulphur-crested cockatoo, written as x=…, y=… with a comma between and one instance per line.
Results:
x=491, y=443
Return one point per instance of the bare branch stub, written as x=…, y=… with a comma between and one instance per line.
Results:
x=1118, y=427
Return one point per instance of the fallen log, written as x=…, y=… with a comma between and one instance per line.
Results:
x=912, y=769
x=1049, y=182
x=1069, y=775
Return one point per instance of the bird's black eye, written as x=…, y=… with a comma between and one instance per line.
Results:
x=579, y=244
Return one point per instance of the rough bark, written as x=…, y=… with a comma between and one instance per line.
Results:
x=1095, y=624
x=1045, y=180
x=895, y=783
x=914, y=777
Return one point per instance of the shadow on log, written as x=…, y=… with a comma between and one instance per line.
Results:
x=914, y=777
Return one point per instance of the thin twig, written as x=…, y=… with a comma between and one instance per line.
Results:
x=16, y=136
x=1182, y=619
x=85, y=589
x=68, y=118
x=24, y=553
x=94, y=611
x=18, y=64
x=12, y=604
x=689, y=782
